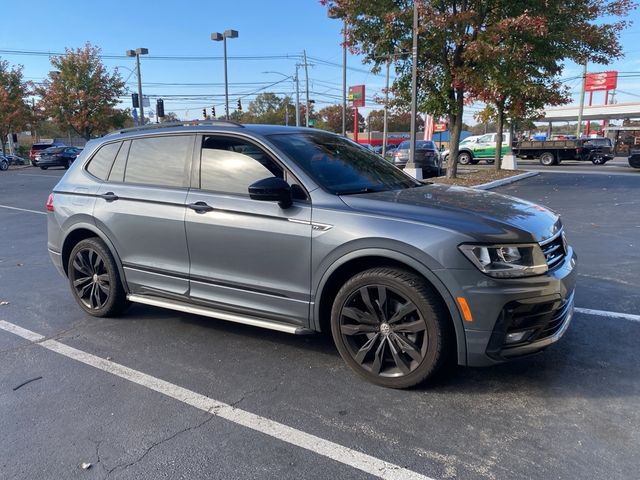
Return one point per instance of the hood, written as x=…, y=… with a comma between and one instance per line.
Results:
x=485, y=216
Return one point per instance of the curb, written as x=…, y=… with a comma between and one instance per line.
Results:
x=505, y=181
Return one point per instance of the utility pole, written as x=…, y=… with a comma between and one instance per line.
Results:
x=136, y=53
x=581, y=110
x=411, y=166
x=344, y=78
x=297, y=97
x=306, y=76
x=386, y=108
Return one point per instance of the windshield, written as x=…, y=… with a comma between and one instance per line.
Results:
x=54, y=150
x=341, y=166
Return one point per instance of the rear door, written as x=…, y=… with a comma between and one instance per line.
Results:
x=247, y=256
x=141, y=207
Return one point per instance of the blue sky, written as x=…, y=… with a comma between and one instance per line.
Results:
x=266, y=28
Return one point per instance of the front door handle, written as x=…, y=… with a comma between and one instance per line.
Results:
x=200, y=207
x=109, y=196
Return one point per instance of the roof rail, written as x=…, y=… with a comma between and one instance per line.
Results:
x=186, y=123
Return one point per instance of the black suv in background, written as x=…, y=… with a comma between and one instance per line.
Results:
x=634, y=158
x=57, y=157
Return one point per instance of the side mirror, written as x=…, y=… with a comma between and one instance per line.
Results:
x=272, y=189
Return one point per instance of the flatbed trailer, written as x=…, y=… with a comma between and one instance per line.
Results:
x=552, y=152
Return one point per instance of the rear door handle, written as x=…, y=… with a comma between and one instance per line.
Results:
x=109, y=196
x=200, y=207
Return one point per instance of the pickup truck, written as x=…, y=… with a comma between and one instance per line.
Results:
x=551, y=152
x=479, y=147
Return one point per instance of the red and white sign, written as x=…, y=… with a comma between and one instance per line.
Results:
x=440, y=127
x=357, y=95
x=601, y=81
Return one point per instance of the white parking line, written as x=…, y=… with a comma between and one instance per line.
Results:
x=44, y=175
x=604, y=313
x=23, y=209
x=347, y=456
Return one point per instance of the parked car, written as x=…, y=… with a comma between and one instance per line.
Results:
x=4, y=163
x=57, y=157
x=37, y=148
x=634, y=158
x=427, y=157
x=16, y=160
x=312, y=234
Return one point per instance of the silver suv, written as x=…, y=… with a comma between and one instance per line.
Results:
x=301, y=231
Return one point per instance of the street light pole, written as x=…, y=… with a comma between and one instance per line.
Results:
x=386, y=108
x=216, y=37
x=297, y=97
x=414, y=95
x=344, y=78
x=136, y=53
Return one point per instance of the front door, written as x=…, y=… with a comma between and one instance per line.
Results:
x=251, y=257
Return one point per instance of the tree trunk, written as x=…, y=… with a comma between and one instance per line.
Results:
x=455, y=128
x=499, y=127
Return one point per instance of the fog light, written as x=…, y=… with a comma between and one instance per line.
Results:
x=516, y=337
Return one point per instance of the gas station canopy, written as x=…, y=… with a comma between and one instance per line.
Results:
x=618, y=111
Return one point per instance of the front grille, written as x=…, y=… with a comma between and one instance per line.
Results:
x=554, y=249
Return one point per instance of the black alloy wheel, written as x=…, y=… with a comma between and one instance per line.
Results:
x=390, y=327
x=94, y=279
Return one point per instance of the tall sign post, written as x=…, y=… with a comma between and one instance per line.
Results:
x=357, y=97
x=601, y=81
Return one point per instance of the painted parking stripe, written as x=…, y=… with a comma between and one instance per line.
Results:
x=604, y=313
x=23, y=209
x=347, y=456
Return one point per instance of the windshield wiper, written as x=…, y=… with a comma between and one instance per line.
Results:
x=355, y=191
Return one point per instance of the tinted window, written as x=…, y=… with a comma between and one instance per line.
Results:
x=341, y=166
x=117, y=172
x=404, y=145
x=425, y=144
x=54, y=150
x=100, y=164
x=230, y=165
x=159, y=161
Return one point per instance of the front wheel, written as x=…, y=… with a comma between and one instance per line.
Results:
x=43, y=168
x=68, y=164
x=4, y=165
x=547, y=159
x=464, y=158
x=95, y=280
x=391, y=328
x=598, y=160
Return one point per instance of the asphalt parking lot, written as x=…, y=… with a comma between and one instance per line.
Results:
x=209, y=399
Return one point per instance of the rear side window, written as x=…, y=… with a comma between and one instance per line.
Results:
x=159, y=161
x=117, y=172
x=101, y=162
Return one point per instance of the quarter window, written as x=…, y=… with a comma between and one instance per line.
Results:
x=159, y=161
x=100, y=164
x=117, y=172
x=230, y=165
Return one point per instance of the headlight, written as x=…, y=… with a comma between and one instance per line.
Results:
x=507, y=261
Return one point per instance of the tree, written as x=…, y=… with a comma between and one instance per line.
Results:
x=81, y=94
x=450, y=70
x=396, y=121
x=14, y=111
x=331, y=118
x=170, y=117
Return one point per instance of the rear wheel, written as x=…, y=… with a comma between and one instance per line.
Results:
x=95, y=280
x=391, y=328
x=4, y=165
x=547, y=159
x=43, y=168
x=490, y=161
x=598, y=160
x=68, y=164
x=464, y=158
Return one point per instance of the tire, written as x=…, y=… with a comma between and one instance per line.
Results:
x=394, y=353
x=43, y=168
x=465, y=158
x=68, y=164
x=490, y=161
x=598, y=160
x=95, y=280
x=548, y=159
x=4, y=165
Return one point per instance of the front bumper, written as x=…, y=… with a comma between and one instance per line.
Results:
x=540, y=306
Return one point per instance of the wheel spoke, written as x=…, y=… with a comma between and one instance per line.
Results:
x=378, y=359
x=403, y=311
x=366, y=348
x=364, y=293
x=397, y=357
x=410, y=327
x=81, y=282
x=80, y=265
x=83, y=291
x=358, y=329
x=104, y=278
x=407, y=346
x=382, y=302
x=359, y=316
x=104, y=288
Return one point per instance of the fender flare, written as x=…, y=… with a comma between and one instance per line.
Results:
x=412, y=262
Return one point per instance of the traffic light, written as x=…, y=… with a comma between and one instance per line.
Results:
x=135, y=101
x=160, y=108
x=213, y=111
x=204, y=113
x=239, y=105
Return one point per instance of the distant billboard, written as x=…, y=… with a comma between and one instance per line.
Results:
x=601, y=81
x=356, y=95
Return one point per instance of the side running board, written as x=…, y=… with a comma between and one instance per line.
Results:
x=219, y=314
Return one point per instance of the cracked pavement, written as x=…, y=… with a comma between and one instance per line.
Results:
x=568, y=413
